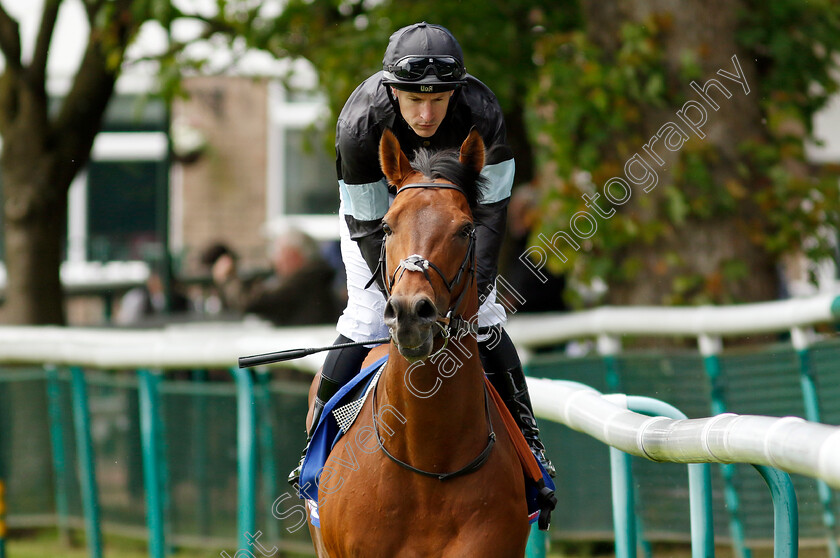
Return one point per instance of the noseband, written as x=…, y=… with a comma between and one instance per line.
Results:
x=450, y=324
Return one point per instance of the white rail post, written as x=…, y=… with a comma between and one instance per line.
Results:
x=710, y=347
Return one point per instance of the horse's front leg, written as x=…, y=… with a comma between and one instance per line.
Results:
x=317, y=539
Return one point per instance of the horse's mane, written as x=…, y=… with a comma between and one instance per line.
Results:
x=445, y=165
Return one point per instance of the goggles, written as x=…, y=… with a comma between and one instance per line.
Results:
x=414, y=68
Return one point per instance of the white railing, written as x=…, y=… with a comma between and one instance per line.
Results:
x=220, y=345
x=791, y=444
x=185, y=346
x=737, y=319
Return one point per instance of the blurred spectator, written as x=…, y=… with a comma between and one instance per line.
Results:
x=522, y=217
x=213, y=302
x=215, y=251
x=148, y=304
x=300, y=292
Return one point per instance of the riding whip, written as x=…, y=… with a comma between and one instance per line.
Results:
x=291, y=354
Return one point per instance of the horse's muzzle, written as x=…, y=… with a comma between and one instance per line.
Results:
x=411, y=319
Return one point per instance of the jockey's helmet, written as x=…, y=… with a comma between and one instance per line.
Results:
x=423, y=58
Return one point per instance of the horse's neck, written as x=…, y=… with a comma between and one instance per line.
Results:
x=442, y=410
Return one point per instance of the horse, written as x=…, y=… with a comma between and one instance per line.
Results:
x=428, y=468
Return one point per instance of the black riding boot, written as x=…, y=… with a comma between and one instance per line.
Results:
x=502, y=366
x=339, y=368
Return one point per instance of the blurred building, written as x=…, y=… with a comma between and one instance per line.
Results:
x=246, y=154
x=241, y=157
x=264, y=164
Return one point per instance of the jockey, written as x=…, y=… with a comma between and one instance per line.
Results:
x=427, y=99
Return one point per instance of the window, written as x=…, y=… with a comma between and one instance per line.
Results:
x=118, y=204
x=302, y=185
x=123, y=208
x=309, y=174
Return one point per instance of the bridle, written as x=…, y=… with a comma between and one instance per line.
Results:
x=450, y=324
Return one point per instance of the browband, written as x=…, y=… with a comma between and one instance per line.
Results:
x=431, y=185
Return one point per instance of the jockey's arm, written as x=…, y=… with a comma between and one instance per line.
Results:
x=490, y=218
x=365, y=206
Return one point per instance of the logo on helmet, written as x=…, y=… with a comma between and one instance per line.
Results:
x=427, y=88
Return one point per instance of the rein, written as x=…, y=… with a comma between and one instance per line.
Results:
x=470, y=467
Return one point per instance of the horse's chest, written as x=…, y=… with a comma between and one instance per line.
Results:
x=431, y=534
x=382, y=512
x=372, y=507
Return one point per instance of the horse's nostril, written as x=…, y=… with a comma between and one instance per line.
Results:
x=425, y=310
x=390, y=310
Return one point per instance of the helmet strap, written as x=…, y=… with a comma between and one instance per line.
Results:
x=454, y=98
x=393, y=99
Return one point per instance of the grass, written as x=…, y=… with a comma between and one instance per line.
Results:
x=46, y=544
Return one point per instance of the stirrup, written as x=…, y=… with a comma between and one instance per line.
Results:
x=539, y=453
x=294, y=475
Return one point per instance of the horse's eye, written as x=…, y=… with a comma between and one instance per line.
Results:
x=386, y=228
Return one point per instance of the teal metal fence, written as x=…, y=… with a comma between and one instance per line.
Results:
x=757, y=381
x=625, y=522
x=152, y=434
x=788, y=444
x=156, y=454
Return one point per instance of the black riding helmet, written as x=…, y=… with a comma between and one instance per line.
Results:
x=423, y=58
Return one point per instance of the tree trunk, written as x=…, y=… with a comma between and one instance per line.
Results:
x=34, y=204
x=707, y=29
x=35, y=217
x=42, y=153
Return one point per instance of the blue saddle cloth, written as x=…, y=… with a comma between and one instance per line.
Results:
x=328, y=432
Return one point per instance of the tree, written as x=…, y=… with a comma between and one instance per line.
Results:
x=45, y=147
x=706, y=218
x=346, y=42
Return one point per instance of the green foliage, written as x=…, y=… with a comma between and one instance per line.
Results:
x=235, y=25
x=795, y=46
x=588, y=110
x=586, y=120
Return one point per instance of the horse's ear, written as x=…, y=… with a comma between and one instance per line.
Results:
x=394, y=163
x=472, y=151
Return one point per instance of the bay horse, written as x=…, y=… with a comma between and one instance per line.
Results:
x=435, y=473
